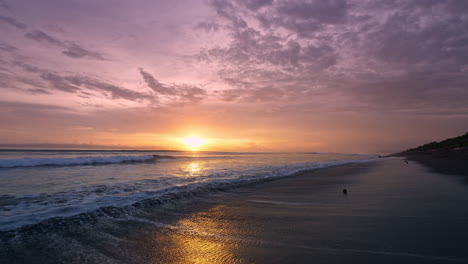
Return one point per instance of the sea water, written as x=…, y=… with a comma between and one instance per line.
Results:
x=36, y=185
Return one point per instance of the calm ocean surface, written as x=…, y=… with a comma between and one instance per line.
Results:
x=36, y=185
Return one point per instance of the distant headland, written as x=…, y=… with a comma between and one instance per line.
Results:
x=447, y=156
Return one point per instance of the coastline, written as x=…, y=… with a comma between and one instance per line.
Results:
x=304, y=218
x=449, y=161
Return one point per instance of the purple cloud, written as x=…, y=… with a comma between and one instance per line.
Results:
x=60, y=83
x=254, y=5
x=13, y=22
x=298, y=62
x=4, y=5
x=264, y=94
x=38, y=91
x=19, y=106
x=41, y=36
x=78, y=83
x=156, y=85
x=363, y=51
x=208, y=26
x=73, y=50
x=7, y=47
x=182, y=93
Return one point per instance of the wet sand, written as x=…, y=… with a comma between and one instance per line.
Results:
x=454, y=161
x=393, y=213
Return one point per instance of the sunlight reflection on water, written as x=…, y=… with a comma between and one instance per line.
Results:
x=31, y=193
x=195, y=240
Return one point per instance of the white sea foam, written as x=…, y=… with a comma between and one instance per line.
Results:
x=31, y=162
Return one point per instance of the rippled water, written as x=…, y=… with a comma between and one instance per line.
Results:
x=37, y=185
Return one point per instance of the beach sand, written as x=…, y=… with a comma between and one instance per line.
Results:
x=453, y=161
x=393, y=213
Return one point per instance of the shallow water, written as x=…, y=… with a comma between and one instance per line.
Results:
x=393, y=213
x=37, y=185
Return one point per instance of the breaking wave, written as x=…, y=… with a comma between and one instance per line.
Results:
x=117, y=201
x=32, y=162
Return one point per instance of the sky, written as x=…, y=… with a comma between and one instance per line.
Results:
x=356, y=76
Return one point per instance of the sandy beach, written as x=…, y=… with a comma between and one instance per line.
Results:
x=393, y=213
x=452, y=161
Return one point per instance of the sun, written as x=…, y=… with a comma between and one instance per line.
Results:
x=194, y=142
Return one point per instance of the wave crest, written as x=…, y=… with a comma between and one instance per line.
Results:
x=32, y=162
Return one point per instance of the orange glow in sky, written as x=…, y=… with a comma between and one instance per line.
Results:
x=211, y=76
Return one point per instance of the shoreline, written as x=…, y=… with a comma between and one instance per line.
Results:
x=36, y=237
x=175, y=193
x=452, y=161
x=303, y=218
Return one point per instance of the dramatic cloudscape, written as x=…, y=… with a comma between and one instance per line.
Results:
x=368, y=76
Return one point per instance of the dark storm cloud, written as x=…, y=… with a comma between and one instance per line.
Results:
x=13, y=22
x=413, y=51
x=73, y=50
x=182, y=93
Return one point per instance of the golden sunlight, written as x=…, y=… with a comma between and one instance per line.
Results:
x=194, y=142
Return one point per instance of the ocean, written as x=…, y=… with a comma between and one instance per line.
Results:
x=212, y=207
x=37, y=185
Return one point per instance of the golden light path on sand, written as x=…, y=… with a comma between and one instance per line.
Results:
x=199, y=238
x=198, y=246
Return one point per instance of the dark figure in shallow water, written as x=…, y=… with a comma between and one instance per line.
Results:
x=345, y=192
x=406, y=162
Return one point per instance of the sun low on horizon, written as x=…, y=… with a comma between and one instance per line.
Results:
x=250, y=75
x=193, y=142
